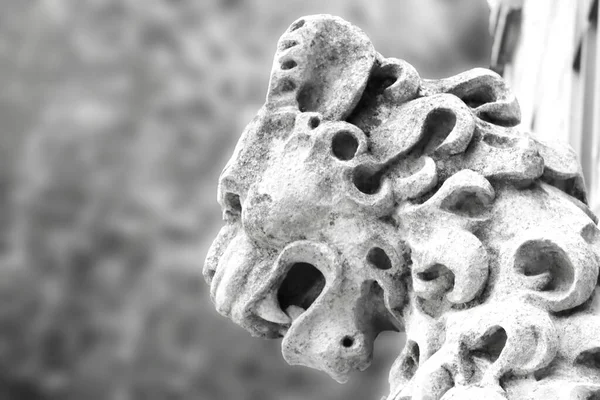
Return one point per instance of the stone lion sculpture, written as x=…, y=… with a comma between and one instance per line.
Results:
x=362, y=198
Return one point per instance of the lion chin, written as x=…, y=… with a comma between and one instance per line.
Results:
x=363, y=198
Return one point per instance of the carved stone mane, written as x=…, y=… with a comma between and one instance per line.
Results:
x=363, y=198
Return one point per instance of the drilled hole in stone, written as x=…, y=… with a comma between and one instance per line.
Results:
x=314, y=122
x=287, y=44
x=344, y=145
x=301, y=287
x=379, y=259
x=347, y=341
x=289, y=64
x=297, y=25
x=366, y=179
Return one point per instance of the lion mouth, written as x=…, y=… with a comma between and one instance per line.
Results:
x=301, y=286
x=298, y=289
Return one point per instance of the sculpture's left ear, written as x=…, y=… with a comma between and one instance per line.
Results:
x=322, y=64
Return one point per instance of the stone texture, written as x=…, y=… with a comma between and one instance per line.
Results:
x=363, y=198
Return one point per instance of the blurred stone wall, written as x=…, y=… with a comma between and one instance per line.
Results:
x=116, y=119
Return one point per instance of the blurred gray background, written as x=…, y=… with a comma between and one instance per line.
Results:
x=116, y=118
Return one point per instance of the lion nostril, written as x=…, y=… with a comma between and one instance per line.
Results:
x=233, y=204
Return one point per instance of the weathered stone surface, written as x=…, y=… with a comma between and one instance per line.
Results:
x=363, y=199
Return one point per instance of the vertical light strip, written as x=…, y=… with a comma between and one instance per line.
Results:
x=594, y=190
x=584, y=106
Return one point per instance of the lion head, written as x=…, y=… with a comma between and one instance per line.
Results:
x=362, y=198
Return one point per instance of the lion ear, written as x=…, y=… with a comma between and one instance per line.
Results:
x=322, y=64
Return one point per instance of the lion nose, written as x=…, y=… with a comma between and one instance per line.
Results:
x=251, y=155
